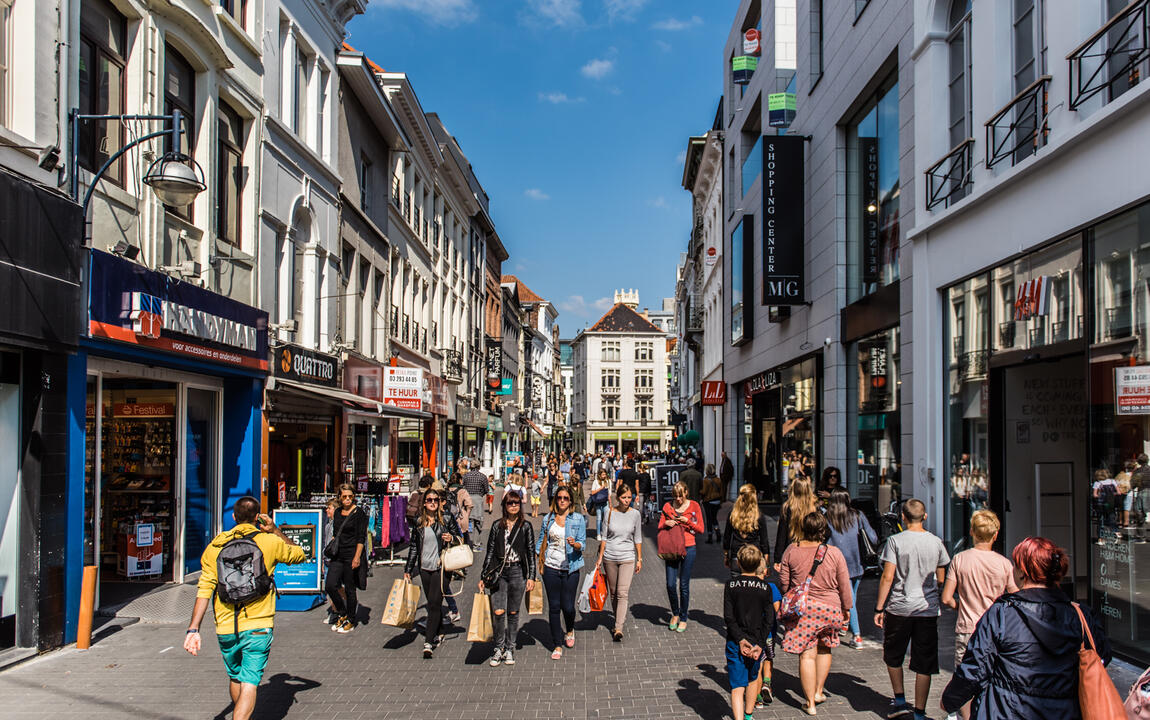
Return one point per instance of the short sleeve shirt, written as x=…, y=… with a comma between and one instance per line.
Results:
x=916, y=557
x=981, y=576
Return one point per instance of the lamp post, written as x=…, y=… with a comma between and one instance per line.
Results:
x=175, y=178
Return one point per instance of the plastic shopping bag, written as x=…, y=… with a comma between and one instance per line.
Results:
x=584, y=601
x=598, y=593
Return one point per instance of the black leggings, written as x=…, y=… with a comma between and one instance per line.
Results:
x=434, y=587
x=711, y=510
x=341, y=575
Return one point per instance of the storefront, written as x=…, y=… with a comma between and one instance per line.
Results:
x=174, y=380
x=1049, y=411
x=394, y=435
x=781, y=426
x=874, y=414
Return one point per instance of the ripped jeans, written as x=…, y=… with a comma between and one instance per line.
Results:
x=507, y=595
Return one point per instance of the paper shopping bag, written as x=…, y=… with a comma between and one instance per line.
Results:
x=402, y=602
x=535, y=599
x=479, y=627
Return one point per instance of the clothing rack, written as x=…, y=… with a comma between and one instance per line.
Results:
x=384, y=489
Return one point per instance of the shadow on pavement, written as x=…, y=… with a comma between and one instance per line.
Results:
x=861, y=696
x=653, y=614
x=403, y=639
x=704, y=703
x=276, y=696
x=538, y=632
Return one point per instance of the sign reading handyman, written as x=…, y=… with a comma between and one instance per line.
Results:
x=403, y=387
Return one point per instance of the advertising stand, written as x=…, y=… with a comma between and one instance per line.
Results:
x=301, y=586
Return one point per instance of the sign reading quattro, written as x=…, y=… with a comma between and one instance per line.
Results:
x=292, y=362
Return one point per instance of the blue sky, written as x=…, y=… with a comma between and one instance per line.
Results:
x=575, y=115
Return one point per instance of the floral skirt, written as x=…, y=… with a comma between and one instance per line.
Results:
x=819, y=625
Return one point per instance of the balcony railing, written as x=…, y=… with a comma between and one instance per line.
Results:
x=1118, y=323
x=1006, y=332
x=406, y=328
x=407, y=207
x=1021, y=127
x=395, y=194
x=452, y=366
x=395, y=321
x=973, y=365
x=1114, y=58
x=949, y=179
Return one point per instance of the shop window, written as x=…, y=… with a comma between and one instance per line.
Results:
x=1040, y=299
x=1119, y=430
x=876, y=412
x=103, y=53
x=180, y=94
x=230, y=175
x=873, y=194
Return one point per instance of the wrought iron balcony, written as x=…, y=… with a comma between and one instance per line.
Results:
x=407, y=206
x=1118, y=323
x=973, y=365
x=694, y=315
x=405, y=328
x=395, y=321
x=1006, y=332
x=949, y=179
x=1114, y=58
x=1021, y=127
x=452, y=366
x=395, y=194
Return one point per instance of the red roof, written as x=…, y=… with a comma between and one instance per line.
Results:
x=372, y=65
x=525, y=293
x=622, y=318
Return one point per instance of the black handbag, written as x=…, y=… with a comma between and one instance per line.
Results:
x=331, y=550
x=492, y=576
x=867, y=551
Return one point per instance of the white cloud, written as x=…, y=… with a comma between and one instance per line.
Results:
x=623, y=9
x=677, y=25
x=660, y=202
x=439, y=12
x=598, y=68
x=559, y=98
x=681, y=157
x=536, y=194
x=578, y=306
x=663, y=45
x=556, y=13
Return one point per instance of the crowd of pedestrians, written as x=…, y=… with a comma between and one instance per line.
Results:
x=1017, y=636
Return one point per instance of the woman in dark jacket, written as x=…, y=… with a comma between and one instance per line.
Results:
x=349, y=530
x=508, y=572
x=746, y=525
x=1022, y=661
x=433, y=531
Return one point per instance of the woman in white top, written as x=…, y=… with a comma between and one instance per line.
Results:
x=620, y=554
x=514, y=484
x=560, y=551
x=600, y=486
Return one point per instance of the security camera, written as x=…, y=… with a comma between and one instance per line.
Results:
x=828, y=342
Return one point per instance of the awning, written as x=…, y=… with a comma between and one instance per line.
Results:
x=535, y=427
x=342, y=397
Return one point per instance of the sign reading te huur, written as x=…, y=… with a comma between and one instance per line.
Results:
x=296, y=363
x=783, y=220
x=134, y=305
x=742, y=68
x=1132, y=390
x=403, y=387
x=781, y=109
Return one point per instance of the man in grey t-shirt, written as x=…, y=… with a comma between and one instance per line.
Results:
x=907, y=609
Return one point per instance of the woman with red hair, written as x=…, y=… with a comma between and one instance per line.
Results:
x=1022, y=661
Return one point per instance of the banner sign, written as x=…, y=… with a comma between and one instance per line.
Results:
x=435, y=395
x=752, y=42
x=1132, y=390
x=144, y=551
x=742, y=68
x=714, y=392
x=131, y=304
x=506, y=387
x=403, y=387
x=143, y=410
x=869, y=201
x=784, y=231
x=494, y=361
x=292, y=362
x=758, y=383
x=665, y=477
x=1033, y=298
x=781, y=108
x=305, y=527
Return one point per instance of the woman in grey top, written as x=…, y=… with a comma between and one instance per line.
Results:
x=845, y=525
x=620, y=554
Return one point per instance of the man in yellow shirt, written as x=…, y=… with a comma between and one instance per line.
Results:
x=244, y=631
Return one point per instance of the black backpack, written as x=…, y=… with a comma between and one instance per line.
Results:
x=241, y=575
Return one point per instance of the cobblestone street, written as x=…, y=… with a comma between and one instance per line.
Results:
x=141, y=671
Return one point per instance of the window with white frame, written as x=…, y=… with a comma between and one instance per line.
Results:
x=609, y=380
x=103, y=52
x=611, y=351
x=238, y=9
x=645, y=409
x=611, y=409
x=644, y=351
x=959, y=66
x=321, y=115
x=300, y=71
x=230, y=174
x=644, y=382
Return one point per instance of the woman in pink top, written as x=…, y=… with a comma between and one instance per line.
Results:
x=828, y=606
x=681, y=511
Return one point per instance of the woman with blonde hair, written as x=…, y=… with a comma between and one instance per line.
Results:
x=681, y=510
x=800, y=502
x=747, y=525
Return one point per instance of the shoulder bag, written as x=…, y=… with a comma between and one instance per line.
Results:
x=490, y=578
x=1138, y=701
x=794, y=603
x=671, y=543
x=331, y=550
x=867, y=551
x=1097, y=696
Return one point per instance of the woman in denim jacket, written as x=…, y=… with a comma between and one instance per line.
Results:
x=560, y=550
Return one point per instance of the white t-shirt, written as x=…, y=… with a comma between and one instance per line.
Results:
x=556, y=555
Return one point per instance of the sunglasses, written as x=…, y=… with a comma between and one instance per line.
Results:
x=513, y=502
x=564, y=498
x=430, y=500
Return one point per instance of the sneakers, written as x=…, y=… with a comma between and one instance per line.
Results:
x=899, y=709
x=454, y=617
x=428, y=651
x=617, y=636
x=344, y=627
x=508, y=657
x=335, y=626
x=857, y=643
x=330, y=618
x=496, y=658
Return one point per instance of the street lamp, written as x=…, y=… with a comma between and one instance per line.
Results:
x=175, y=178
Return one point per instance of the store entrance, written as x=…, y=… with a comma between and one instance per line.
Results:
x=1041, y=456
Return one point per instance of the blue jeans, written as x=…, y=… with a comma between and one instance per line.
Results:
x=855, y=631
x=679, y=583
x=561, y=587
x=600, y=518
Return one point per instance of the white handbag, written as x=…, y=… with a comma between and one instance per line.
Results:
x=457, y=558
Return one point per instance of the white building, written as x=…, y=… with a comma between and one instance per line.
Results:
x=1031, y=306
x=619, y=389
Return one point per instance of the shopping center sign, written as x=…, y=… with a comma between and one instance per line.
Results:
x=131, y=304
x=784, y=217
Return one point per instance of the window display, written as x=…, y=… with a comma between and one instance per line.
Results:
x=876, y=413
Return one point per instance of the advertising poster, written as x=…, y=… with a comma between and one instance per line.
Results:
x=1132, y=390
x=305, y=528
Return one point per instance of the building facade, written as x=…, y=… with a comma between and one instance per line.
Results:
x=814, y=263
x=619, y=387
x=1031, y=303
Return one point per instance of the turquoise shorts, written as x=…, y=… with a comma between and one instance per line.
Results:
x=246, y=654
